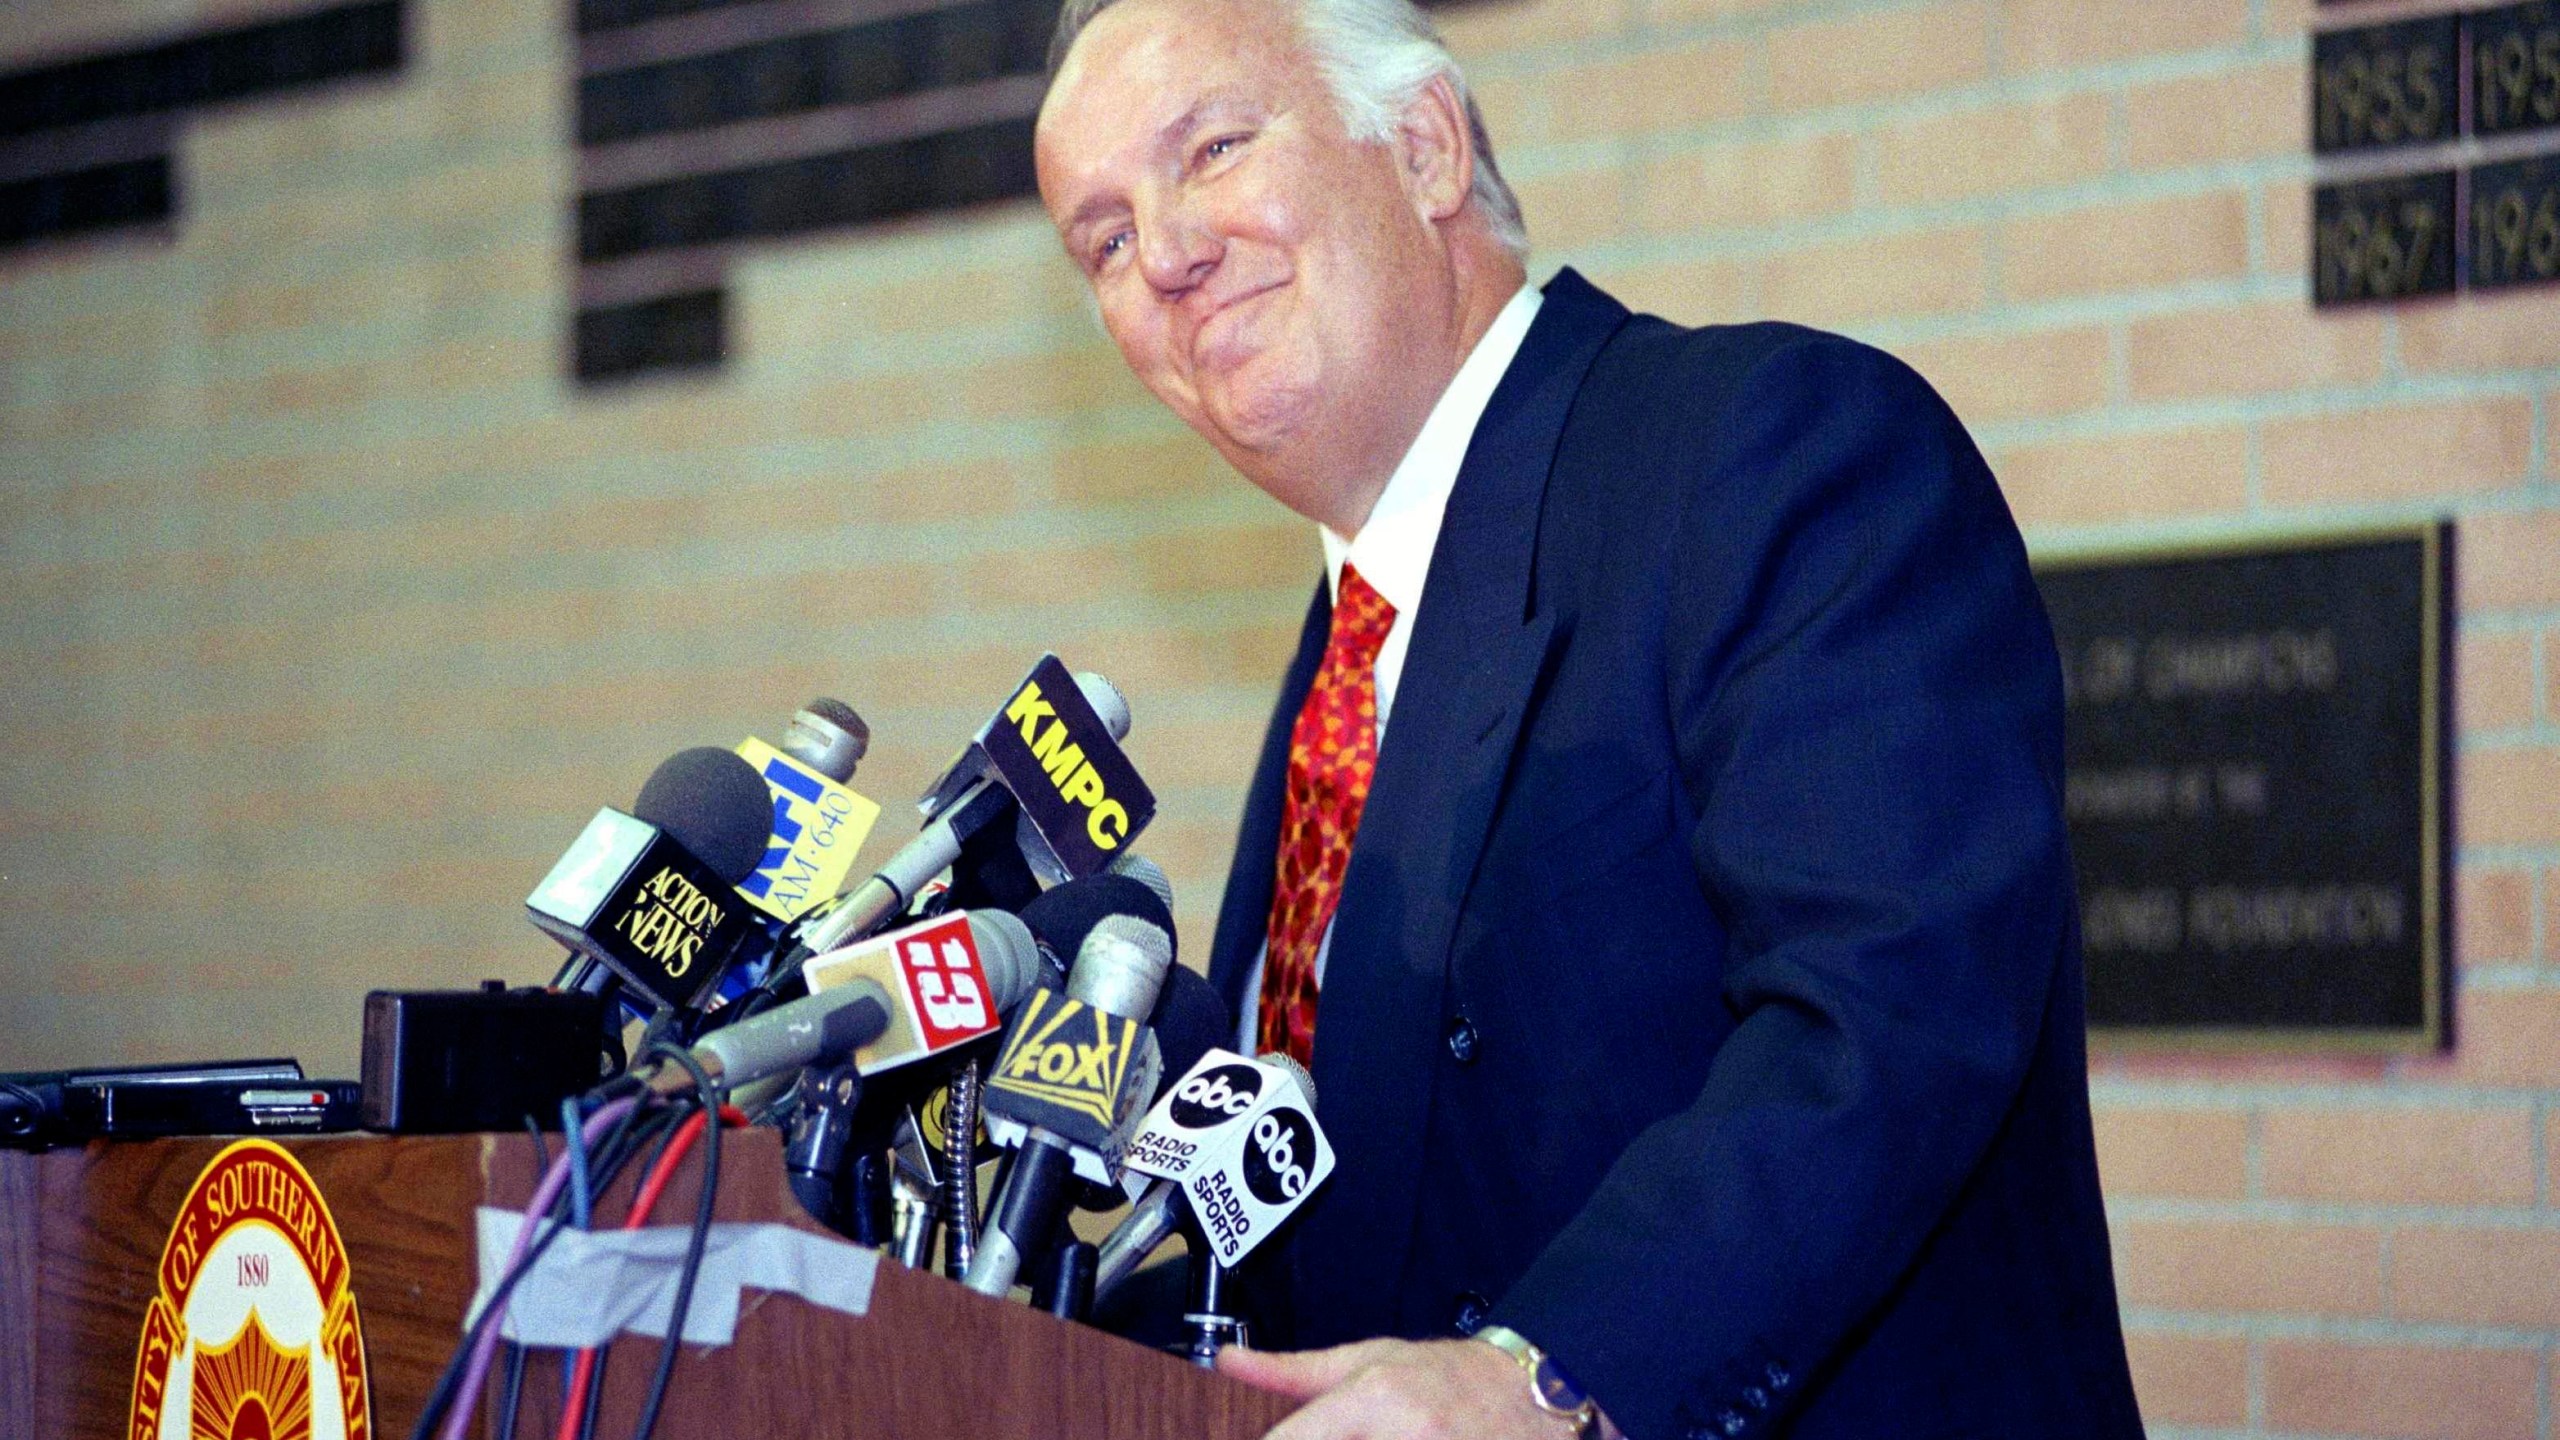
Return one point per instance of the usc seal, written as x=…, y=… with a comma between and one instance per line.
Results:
x=253, y=1335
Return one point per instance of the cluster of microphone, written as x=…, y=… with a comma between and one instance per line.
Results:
x=1003, y=990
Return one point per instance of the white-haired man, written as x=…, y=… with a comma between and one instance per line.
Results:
x=1697, y=963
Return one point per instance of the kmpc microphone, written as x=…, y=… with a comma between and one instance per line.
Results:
x=1052, y=755
x=819, y=823
x=651, y=895
x=1070, y=1081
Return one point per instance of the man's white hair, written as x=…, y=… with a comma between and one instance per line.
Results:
x=1376, y=56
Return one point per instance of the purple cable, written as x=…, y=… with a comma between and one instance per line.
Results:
x=467, y=1400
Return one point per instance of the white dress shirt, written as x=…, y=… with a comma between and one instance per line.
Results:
x=1393, y=549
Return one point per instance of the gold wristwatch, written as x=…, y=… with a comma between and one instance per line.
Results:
x=1550, y=1389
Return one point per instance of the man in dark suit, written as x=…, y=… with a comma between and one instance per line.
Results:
x=1658, y=843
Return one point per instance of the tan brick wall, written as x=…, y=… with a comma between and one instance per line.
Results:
x=328, y=609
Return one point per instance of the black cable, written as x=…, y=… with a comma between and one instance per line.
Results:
x=511, y=1398
x=701, y=1239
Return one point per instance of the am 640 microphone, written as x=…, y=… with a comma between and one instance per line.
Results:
x=651, y=895
x=819, y=823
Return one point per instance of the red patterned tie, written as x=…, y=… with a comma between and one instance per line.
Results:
x=1333, y=750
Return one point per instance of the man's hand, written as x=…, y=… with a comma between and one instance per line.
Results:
x=1399, y=1390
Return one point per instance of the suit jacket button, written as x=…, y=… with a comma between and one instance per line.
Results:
x=1755, y=1397
x=1463, y=1040
x=1730, y=1422
x=1469, y=1314
x=1779, y=1379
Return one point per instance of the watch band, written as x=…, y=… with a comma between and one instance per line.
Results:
x=1550, y=1388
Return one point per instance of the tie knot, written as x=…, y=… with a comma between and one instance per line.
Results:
x=1361, y=616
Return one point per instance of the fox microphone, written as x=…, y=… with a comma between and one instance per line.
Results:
x=1068, y=1083
x=650, y=896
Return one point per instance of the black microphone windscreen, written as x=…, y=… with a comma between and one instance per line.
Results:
x=714, y=804
x=991, y=873
x=1190, y=1020
x=1065, y=914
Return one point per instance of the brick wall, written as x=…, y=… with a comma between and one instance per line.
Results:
x=329, y=608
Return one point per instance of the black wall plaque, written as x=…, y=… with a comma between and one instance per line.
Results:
x=2515, y=68
x=2377, y=86
x=2515, y=223
x=2383, y=239
x=85, y=144
x=707, y=127
x=2256, y=788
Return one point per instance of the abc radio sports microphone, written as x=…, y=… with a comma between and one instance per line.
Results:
x=1065, y=1088
x=1235, y=1150
x=651, y=896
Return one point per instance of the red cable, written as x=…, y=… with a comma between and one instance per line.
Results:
x=661, y=1170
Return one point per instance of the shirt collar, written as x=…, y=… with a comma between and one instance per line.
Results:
x=1393, y=548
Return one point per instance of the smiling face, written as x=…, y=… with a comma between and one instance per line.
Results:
x=1296, y=296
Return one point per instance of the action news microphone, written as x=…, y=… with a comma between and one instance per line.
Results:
x=651, y=895
x=1235, y=1150
x=1066, y=1087
x=1052, y=754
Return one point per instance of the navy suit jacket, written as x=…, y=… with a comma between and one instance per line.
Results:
x=1704, y=999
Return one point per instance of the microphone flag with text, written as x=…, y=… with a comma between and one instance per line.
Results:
x=1047, y=763
x=819, y=821
x=652, y=895
x=1237, y=1140
x=1068, y=1089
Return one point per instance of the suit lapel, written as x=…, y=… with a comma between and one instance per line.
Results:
x=1476, y=655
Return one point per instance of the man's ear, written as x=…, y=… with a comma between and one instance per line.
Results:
x=1437, y=148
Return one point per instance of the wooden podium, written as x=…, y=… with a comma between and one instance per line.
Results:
x=82, y=1234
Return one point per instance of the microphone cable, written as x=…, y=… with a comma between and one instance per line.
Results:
x=700, y=1240
x=578, y=1419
